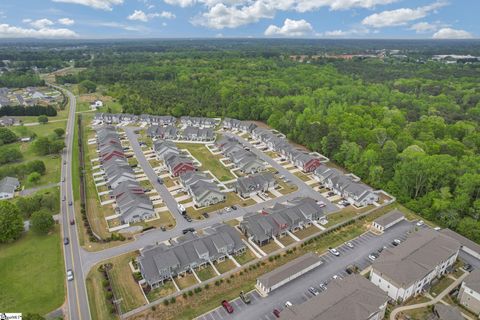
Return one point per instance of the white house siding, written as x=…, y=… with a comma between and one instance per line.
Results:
x=469, y=298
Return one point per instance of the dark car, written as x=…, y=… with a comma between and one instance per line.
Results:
x=351, y=269
x=163, y=228
x=187, y=217
x=66, y=241
x=70, y=203
x=234, y=207
x=276, y=313
x=468, y=267
x=72, y=222
x=245, y=297
x=205, y=215
x=227, y=306
x=160, y=180
x=187, y=230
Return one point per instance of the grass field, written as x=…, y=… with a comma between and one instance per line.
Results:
x=186, y=281
x=164, y=290
x=32, y=274
x=246, y=257
x=206, y=273
x=208, y=160
x=40, y=130
x=99, y=306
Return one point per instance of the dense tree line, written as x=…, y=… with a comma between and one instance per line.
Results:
x=28, y=111
x=22, y=170
x=20, y=80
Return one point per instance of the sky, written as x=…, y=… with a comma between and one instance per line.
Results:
x=97, y=19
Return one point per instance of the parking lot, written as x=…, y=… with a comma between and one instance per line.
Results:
x=297, y=291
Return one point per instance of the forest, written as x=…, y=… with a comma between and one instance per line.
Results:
x=407, y=127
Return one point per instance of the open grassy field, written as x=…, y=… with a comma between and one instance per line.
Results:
x=208, y=160
x=32, y=274
x=40, y=130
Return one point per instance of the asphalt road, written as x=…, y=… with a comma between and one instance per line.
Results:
x=77, y=300
x=297, y=290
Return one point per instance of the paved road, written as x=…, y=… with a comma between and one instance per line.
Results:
x=297, y=290
x=77, y=300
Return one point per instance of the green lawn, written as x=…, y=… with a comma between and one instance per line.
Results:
x=208, y=160
x=32, y=274
x=164, y=290
x=225, y=266
x=441, y=285
x=206, y=273
x=186, y=281
x=246, y=257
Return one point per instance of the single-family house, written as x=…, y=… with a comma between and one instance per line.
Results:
x=178, y=164
x=8, y=185
x=247, y=162
x=165, y=148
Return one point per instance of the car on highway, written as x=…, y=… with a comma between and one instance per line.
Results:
x=70, y=275
x=349, y=244
x=276, y=313
x=66, y=241
x=70, y=203
x=396, y=242
x=313, y=291
x=288, y=304
x=72, y=221
x=334, y=251
x=245, y=297
x=160, y=180
x=372, y=256
x=323, y=286
x=187, y=230
x=228, y=307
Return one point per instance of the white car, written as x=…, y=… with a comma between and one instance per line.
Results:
x=69, y=275
x=228, y=209
x=420, y=223
x=336, y=277
x=349, y=244
x=321, y=204
x=334, y=251
x=288, y=304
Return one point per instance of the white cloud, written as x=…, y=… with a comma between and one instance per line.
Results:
x=336, y=33
x=290, y=28
x=221, y=14
x=139, y=15
x=449, y=33
x=357, y=31
x=400, y=16
x=8, y=31
x=40, y=23
x=423, y=27
x=66, y=21
x=118, y=25
x=96, y=4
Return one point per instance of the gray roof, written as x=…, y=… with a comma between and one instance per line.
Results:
x=352, y=298
x=389, y=217
x=201, y=188
x=465, y=242
x=9, y=184
x=131, y=200
x=444, y=312
x=417, y=256
x=473, y=280
x=254, y=182
x=287, y=270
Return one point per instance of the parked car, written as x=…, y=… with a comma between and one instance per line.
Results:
x=331, y=193
x=372, y=256
x=69, y=275
x=228, y=307
x=64, y=162
x=349, y=244
x=228, y=209
x=205, y=215
x=234, y=207
x=336, y=277
x=63, y=179
x=334, y=251
x=420, y=223
x=187, y=230
x=468, y=267
x=323, y=222
x=323, y=286
x=321, y=204
x=163, y=228
x=288, y=304
x=396, y=242
x=276, y=313
x=66, y=241
x=160, y=180
x=187, y=217
x=313, y=291
x=351, y=269
x=245, y=297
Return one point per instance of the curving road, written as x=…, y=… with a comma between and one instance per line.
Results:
x=77, y=300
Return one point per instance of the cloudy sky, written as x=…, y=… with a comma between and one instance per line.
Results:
x=438, y=19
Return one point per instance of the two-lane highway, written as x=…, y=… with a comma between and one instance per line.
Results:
x=77, y=300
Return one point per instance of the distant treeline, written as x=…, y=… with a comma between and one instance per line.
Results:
x=20, y=80
x=28, y=111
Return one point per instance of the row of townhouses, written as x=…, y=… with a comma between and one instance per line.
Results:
x=301, y=159
x=189, y=133
x=280, y=219
x=245, y=160
x=132, y=204
x=201, y=122
x=203, y=190
x=168, y=152
x=354, y=191
x=114, y=118
x=234, y=124
x=191, y=251
x=255, y=183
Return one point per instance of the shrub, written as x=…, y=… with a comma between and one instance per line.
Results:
x=184, y=295
x=190, y=293
x=207, y=286
x=173, y=300
x=166, y=303
x=154, y=308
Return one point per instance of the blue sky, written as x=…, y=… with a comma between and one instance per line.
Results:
x=439, y=19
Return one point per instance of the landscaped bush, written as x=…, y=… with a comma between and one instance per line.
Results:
x=166, y=302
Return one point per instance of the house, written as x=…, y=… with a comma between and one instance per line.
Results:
x=168, y=132
x=351, y=298
x=165, y=148
x=247, y=126
x=163, y=120
x=198, y=122
x=178, y=164
x=247, y=162
x=228, y=146
x=6, y=121
x=133, y=205
x=406, y=270
x=8, y=185
x=191, y=251
x=231, y=124
x=96, y=104
x=467, y=245
x=118, y=172
x=253, y=184
x=469, y=294
x=202, y=189
x=305, y=161
x=357, y=193
x=446, y=312
x=191, y=133
x=281, y=219
x=388, y=220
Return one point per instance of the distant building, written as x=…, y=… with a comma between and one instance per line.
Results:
x=388, y=220
x=469, y=294
x=404, y=271
x=8, y=185
x=6, y=121
x=351, y=298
